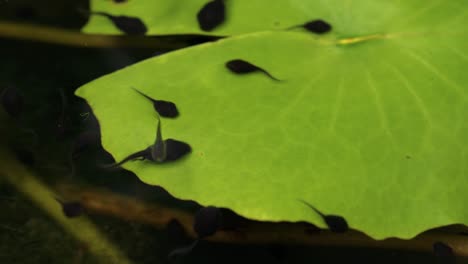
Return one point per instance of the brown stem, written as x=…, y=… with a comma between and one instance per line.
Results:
x=104, y=202
x=73, y=38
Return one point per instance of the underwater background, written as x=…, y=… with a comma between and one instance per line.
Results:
x=42, y=128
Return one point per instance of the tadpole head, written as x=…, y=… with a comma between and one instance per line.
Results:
x=176, y=149
x=211, y=15
x=207, y=221
x=12, y=101
x=129, y=25
x=166, y=108
x=441, y=249
x=337, y=224
x=240, y=66
x=318, y=26
x=71, y=209
x=83, y=141
x=25, y=156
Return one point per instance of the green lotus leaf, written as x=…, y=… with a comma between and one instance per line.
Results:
x=370, y=121
x=180, y=17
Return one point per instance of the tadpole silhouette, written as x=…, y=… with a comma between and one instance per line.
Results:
x=128, y=25
x=12, y=101
x=164, y=108
x=160, y=152
x=83, y=141
x=239, y=66
x=207, y=221
x=317, y=26
x=25, y=156
x=335, y=223
x=61, y=127
x=211, y=15
x=441, y=249
x=71, y=209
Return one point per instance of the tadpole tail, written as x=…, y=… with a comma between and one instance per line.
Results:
x=180, y=252
x=136, y=155
x=146, y=96
x=271, y=76
x=294, y=27
x=312, y=207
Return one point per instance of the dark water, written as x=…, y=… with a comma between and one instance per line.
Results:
x=41, y=132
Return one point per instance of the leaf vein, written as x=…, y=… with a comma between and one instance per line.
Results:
x=428, y=65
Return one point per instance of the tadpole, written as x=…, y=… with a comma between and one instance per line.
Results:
x=71, y=209
x=164, y=108
x=317, y=26
x=12, y=101
x=335, y=223
x=441, y=249
x=127, y=24
x=211, y=15
x=82, y=142
x=176, y=149
x=160, y=152
x=239, y=66
x=25, y=156
x=207, y=221
x=61, y=126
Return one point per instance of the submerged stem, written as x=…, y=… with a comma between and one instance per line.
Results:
x=81, y=228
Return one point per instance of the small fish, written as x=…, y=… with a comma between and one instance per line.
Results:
x=315, y=26
x=12, y=101
x=239, y=66
x=335, y=223
x=160, y=152
x=71, y=209
x=164, y=108
x=128, y=25
x=211, y=15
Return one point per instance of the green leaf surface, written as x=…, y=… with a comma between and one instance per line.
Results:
x=372, y=127
x=242, y=16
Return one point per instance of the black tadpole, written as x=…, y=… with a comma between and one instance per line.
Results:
x=128, y=25
x=239, y=66
x=83, y=141
x=335, y=223
x=315, y=26
x=207, y=221
x=441, y=249
x=71, y=209
x=12, y=101
x=211, y=15
x=161, y=151
x=164, y=108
